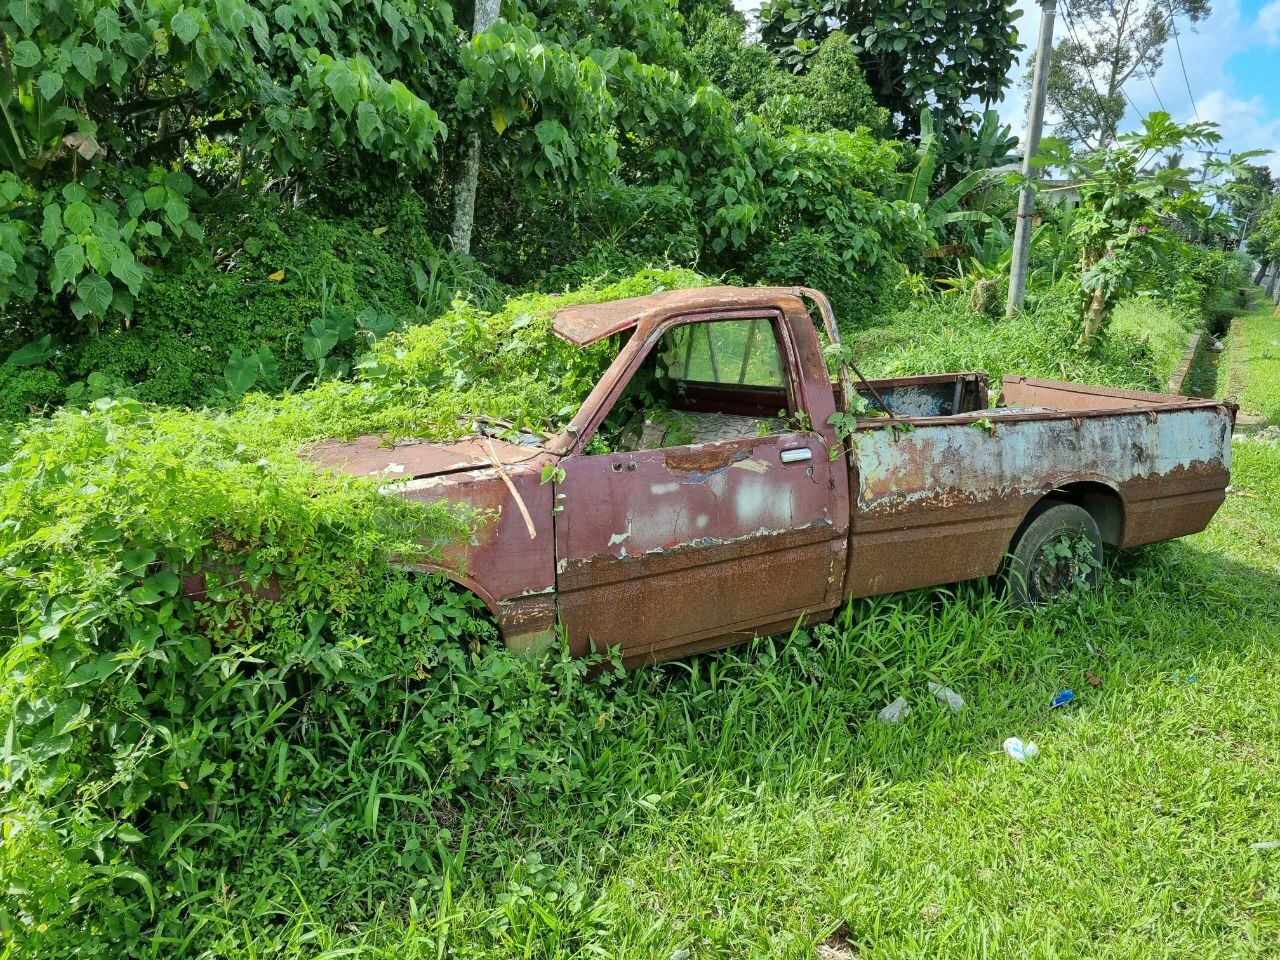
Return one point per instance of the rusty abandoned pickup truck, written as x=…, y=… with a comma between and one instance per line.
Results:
x=702, y=495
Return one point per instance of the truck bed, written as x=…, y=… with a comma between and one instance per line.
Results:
x=939, y=488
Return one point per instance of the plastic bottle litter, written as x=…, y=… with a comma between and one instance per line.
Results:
x=1061, y=699
x=898, y=710
x=947, y=697
x=1020, y=752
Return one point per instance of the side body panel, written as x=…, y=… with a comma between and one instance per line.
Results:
x=940, y=501
x=512, y=571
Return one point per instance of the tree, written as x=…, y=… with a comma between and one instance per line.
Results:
x=1257, y=186
x=464, y=190
x=1264, y=242
x=1128, y=204
x=913, y=52
x=831, y=95
x=105, y=106
x=1107, y=44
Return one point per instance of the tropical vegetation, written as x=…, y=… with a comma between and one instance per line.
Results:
x=236, y=726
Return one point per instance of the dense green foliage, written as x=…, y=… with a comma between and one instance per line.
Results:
x=831, y=94
x=157, y=727
x=913, y=53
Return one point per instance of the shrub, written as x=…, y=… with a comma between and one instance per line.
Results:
x=306, y=292
x=813, y=258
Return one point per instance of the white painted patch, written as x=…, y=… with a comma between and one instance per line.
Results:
x=702, y=521
x=755, y=466
x=658, y=489
x=618, y=538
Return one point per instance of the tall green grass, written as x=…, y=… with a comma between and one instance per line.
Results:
x=748, y=804
x=1140, y=349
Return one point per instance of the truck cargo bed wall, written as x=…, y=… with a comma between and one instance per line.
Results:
x=938, y=499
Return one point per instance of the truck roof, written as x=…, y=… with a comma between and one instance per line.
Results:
x=585, y=323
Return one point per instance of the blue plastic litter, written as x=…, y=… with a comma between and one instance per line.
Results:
x=1061, y=698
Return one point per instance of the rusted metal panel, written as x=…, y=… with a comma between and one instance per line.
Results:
x=513, y=572
x=372, y=456
x=583, y=324
x=941, y=502
x=658, y=546
x=1033, y=392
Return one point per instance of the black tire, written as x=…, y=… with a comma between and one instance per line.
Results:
x=1035, y=578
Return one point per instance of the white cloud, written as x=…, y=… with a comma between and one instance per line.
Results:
x=1244, y=124
x=1269, y=22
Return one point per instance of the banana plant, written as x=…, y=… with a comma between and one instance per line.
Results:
x=943, y=211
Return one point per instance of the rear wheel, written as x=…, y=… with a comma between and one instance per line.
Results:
x=1058, y=548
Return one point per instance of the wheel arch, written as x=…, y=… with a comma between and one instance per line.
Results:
x=453, y=575
x=1099, y=498
x=526, y=623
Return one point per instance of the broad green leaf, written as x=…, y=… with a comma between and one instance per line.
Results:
x=184, y=26
x=25, y=13
x=106, y=25
x=68, y=715
x=50, y=83
x=26, y=54
x=128, y=270
x=37, y=351
x=96, y=292
x=67, y=264
x=78, y=217
x=241, y=372
x=345, y=87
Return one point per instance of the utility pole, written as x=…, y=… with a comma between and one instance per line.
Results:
x=1031, y=146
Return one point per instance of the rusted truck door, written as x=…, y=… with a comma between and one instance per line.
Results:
x=715, y=513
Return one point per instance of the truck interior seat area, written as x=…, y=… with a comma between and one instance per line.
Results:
x=687, y=426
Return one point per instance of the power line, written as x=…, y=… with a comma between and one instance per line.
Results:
x=1173, y=22
x=1066, y=14
x=1147, y=71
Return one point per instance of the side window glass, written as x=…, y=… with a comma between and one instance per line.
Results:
x=703, y=382
x=743, y=352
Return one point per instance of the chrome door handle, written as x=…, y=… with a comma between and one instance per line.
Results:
x=797, y=455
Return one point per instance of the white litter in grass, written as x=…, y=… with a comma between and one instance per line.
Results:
x=1020, y=752
x=898, y=710
x=947, y=697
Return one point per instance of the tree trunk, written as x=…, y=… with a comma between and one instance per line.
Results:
x=1262, y=272
x=464, y=193
x=1275, y=275
x=464, y=190
x=1095, y=315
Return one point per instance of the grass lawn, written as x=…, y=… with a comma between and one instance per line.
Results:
x=747, y=804
x=1250, y=366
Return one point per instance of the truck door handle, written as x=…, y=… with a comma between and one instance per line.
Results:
x=796, y=455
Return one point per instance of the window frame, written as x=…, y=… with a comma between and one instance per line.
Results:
x=637, y=351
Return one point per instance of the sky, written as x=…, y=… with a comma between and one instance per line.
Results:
x=1232, y=62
